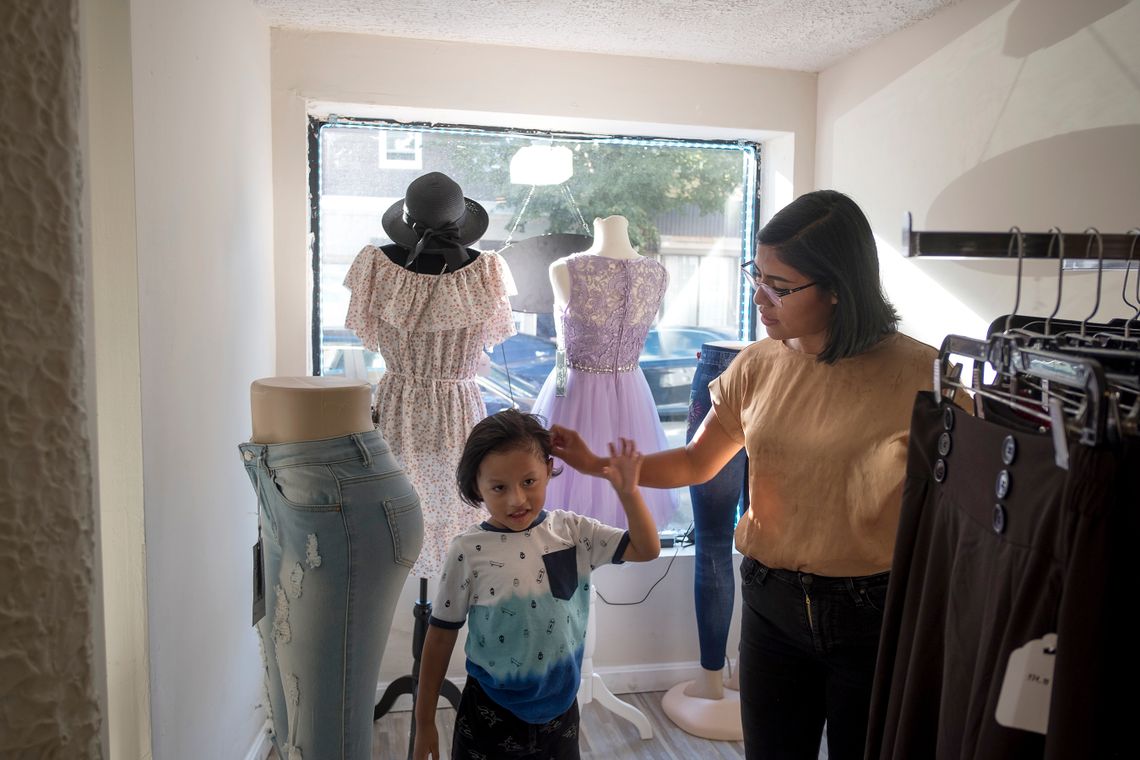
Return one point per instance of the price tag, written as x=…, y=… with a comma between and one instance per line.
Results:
x=1028, y=685
x=258, y=583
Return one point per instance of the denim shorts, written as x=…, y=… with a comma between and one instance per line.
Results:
x=340, y=528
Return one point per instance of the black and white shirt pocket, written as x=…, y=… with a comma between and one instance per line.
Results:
x=562, y=572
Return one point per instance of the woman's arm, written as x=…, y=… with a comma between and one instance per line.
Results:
x=699, y=461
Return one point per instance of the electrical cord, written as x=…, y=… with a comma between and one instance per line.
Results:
x=677, y=546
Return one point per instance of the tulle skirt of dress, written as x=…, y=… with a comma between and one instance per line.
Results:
x=603, y=407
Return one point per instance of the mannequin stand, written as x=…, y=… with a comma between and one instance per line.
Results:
x=593, y=687
x=410, y=684
x=709, y=718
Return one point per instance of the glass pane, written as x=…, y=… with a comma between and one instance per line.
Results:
x=690, y=205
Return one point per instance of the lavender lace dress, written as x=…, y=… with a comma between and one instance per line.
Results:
x=611, y=305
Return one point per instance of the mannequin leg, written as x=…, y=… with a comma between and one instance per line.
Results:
x=701, y=706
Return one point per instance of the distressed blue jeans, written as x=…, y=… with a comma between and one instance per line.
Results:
x=716, y=506
x=340, y=527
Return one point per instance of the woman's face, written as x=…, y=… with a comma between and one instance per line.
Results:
x=801, y=317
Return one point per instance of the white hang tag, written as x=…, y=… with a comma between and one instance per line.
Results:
x=1028, y=685
x=938, y=379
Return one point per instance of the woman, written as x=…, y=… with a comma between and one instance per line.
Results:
x=823, y=410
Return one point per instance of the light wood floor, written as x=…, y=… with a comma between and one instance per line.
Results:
x=604, y=735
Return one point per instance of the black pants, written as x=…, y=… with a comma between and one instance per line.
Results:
x=998, y=546
x=807, y=656
x=486, y=731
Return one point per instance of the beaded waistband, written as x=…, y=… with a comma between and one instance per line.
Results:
x=425, y=379
x=601, y=370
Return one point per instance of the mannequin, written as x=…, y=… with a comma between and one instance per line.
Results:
x=599, y=390
x=339, y=526
x=429, y=304
x=702, y=706
x=597, y=387
x=611, y=239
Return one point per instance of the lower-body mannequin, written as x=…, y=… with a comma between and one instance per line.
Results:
x=340, y=528
x=716, y=506
x=700, y=706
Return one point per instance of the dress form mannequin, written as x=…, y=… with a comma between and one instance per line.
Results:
x=429, y=304
x=611, y=239
x=339, y=526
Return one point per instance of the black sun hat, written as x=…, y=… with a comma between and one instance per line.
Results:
x=434, y=214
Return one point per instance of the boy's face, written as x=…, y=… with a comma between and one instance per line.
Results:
x=512, y=485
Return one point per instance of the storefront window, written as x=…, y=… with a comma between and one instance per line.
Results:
x=690, y=204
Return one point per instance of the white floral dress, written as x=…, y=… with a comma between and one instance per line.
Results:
x=431, y=331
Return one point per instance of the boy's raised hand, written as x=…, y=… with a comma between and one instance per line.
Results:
x=624, y=467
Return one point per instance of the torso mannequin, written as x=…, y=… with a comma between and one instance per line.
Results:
x=428, y=262
x=611, y=239
x=289, y=409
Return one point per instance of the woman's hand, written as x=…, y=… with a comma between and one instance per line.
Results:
x=571, y=449
x=624, y=467
x=427, y=743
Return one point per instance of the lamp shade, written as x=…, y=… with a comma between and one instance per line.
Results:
x=542, y=165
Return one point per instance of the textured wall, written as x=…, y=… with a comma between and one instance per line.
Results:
x=47, y=698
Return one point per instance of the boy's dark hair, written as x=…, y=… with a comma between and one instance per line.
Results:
x=825, y=236
x=508, y=430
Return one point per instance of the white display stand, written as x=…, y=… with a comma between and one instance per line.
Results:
x=716, y=719
x=593, y=687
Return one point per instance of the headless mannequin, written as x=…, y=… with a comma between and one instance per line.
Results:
x=430, y=263
x=611, y=239
x=291, y=409
x=698, y=706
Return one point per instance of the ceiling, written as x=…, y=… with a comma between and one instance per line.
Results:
x=803, y=35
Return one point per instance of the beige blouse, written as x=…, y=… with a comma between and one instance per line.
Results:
x=827, y=448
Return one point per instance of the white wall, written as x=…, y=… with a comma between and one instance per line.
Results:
x=114, y=346
x=362, y=75
x=992, y=113
x=203, y=182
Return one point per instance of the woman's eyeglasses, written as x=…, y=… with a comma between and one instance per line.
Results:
x=773, y=294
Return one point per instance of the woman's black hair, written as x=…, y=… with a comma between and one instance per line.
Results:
x=825, y=236
x=508, y=430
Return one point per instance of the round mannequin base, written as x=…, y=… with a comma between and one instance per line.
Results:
x=716, y=719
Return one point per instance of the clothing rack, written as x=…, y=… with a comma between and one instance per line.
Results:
x=1082, y=250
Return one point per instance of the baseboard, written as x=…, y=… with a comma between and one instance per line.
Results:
x=621, y=679
x=659, y=676
x=261, y=745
